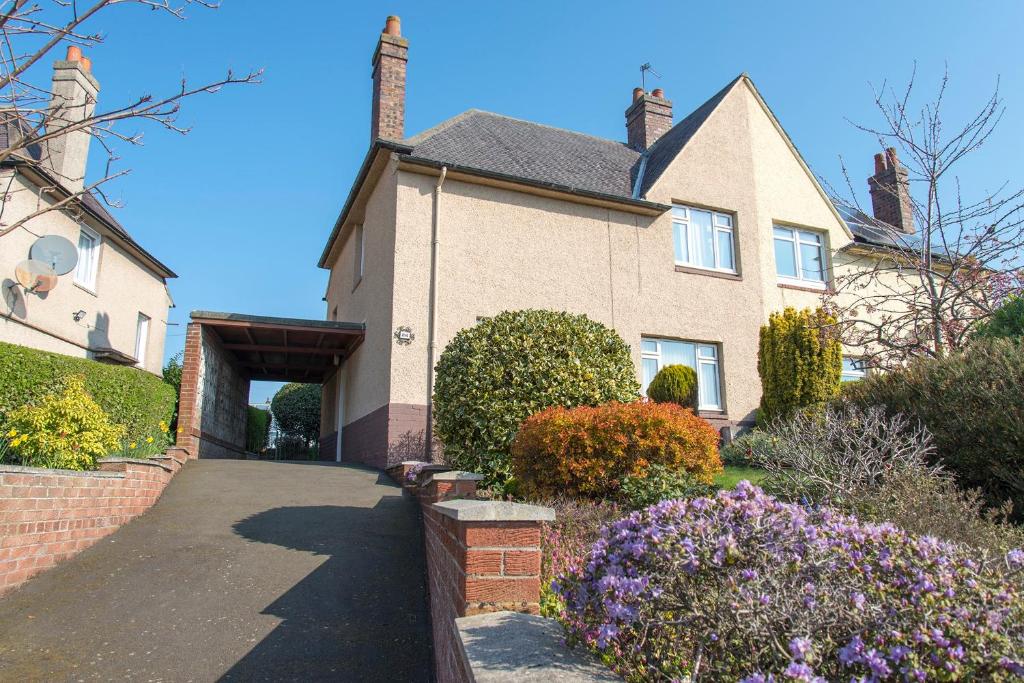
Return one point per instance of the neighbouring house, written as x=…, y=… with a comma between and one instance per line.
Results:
x=113, y=305
x=683, y=238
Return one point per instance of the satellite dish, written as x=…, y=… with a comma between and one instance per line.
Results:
x=57, y=251
x=36, y=276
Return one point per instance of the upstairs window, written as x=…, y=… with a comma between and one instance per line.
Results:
x=703, y=239
x=800, y=256
x=703, y=358
x=88, y=258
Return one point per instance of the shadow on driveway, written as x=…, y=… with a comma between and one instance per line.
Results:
x=243, y=570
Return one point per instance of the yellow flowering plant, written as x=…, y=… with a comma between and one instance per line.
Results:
x=148, y=446
x=65, y=430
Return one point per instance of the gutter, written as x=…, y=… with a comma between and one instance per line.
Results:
x=435, y=248
x=651, y=207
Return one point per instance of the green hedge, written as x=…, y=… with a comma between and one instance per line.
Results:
x=257, y=429
x=130, y=396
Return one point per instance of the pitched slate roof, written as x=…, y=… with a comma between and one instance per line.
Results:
x=522, y=149
x=499, y=144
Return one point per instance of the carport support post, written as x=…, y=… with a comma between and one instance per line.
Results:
x=188, y=396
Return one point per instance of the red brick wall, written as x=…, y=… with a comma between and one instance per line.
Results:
x=50, y=515
x=474, y=567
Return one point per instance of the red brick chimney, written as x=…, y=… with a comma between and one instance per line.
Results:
x=648, y=118
x=389, y=60
x=890, y=192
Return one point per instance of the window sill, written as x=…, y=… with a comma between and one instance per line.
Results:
x=85, y=289
x=716, y=414
x=736, y=277
x=822, y=289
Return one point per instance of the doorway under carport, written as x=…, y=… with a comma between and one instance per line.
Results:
x=224, y=352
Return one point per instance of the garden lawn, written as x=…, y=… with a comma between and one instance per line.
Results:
x=734, y=475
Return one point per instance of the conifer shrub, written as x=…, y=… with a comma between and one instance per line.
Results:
x=494, y=375
x=800, y=361
x=587, y=452
x=675, y=384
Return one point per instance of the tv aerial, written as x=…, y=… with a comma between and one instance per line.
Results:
x=36, y=276
x=644, y=68
x=55, y=251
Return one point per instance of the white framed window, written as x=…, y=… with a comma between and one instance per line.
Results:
x=799, y=256
x=88, y=258
x=703, y=239
x=360, y=266
x=656, y=353
x=854, y=369
x=141, y=338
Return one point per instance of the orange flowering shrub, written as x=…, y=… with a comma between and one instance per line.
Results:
x=588, y=451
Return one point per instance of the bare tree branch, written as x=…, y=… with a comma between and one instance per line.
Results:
x=921, y=293
x=36, y=119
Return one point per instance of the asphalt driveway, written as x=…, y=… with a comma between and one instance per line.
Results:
x=244, y=570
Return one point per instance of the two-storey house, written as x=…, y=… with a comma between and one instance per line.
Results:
x=113, y=305
x=683, y=238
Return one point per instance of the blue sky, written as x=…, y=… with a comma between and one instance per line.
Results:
x=240, y=208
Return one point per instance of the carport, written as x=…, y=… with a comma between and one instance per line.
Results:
x=224, y=352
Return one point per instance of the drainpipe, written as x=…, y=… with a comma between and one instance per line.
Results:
x=435, y=246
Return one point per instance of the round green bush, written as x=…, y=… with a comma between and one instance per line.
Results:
x=296, y=409
x=675, y=384
x=494, y=375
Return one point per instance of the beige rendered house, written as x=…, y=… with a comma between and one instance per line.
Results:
x=683, y=239
x=113, y=304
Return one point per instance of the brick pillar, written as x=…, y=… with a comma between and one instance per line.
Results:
x=449, y=485
x=188, y=410
x=482, y=556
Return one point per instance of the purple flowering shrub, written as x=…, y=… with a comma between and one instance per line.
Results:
x=745, y=587
x=413, y=472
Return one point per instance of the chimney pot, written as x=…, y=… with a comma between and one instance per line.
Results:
x=393, y=26
x=658, y=92
x=74, y=54
x=637, y=93
x=890, y=157
x=86, y=64
x=879, y=163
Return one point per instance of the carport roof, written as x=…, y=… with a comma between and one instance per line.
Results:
x=283, y=349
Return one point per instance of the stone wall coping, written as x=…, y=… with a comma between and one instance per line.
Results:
x=455, y=475
x=168, y=456
x=493, y=511
x=152, y=462
x=21, y=469
x=509, y=646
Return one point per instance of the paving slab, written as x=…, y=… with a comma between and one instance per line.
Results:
x=242, y=571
